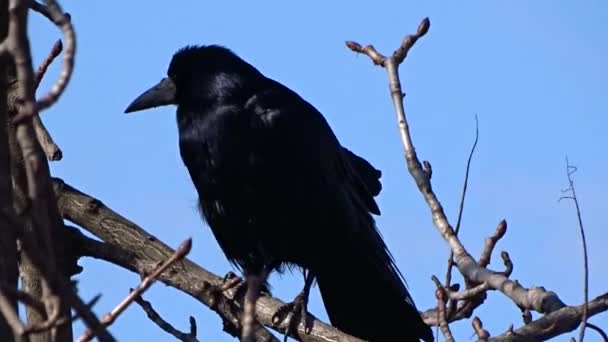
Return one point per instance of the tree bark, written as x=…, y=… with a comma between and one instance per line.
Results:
x=8, y=242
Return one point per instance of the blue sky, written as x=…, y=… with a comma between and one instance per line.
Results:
x=534, y=73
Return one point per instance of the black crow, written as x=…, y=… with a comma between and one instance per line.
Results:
x=278, y=189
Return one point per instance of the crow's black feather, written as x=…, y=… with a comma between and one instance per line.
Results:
x=278, y=189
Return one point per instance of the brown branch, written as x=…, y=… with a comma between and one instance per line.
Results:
x=461, y=295
x=55, y=51
x=24, y=298
x=53, y=12
x=183, y=250
x=469, y=293
x=482, y=334
x=441, y=295
x=555, y=323
x=8, y=247
x=526, y=316
x=490, y=243
x=129, y=246
x=40, y=8
x=506, y=259
x=51, y=150
x=535, y=298
x=8, y=312
x=38, y=242
x=570, y=170
x=462, y=310
x=158, y=320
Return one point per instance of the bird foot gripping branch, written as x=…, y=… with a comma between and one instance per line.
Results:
x=296, y=312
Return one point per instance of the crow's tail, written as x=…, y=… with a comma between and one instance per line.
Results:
x=370, y=301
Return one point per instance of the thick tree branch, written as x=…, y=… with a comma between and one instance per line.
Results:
x=534, y=298
x=142, y=251
x=555, y=323
x=8, y=247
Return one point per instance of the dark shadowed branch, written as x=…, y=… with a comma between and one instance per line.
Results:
x=8, y=245
x=41, y=213
x=599, y=330
x=448, y=273
x=158, y=320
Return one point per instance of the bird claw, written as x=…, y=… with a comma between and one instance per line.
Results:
x=229, y=282
x=294, y=313
x=232, y=281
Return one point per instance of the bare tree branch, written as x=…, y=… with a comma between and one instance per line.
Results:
x=448, y=273
x=158, y=320
x=570, y=170
x=534, y=298
x=555, y=323
x=38, y=242
x=52, y=151
x=8, y=246
x=482, y=334
x=490, y=243
x=10, y=315
x=597, y=329
x=442, y=296
x=145, y=284
x=53, y=12
x=142, y=251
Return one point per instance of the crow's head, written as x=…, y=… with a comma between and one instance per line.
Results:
x=195, y=74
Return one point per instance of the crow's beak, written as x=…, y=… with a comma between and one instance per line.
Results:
x=161, y=94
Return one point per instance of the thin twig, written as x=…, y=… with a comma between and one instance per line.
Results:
x=53, y=12
x=448, y=273
x=55, y=51
x=599, y=330
x=183, y=249
x=156, y=318
x=6, y=309
x=441, y=295
x=482, y=334
x=52, y=151
x=571, y=170
x=490, y=243
x=40, y=8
